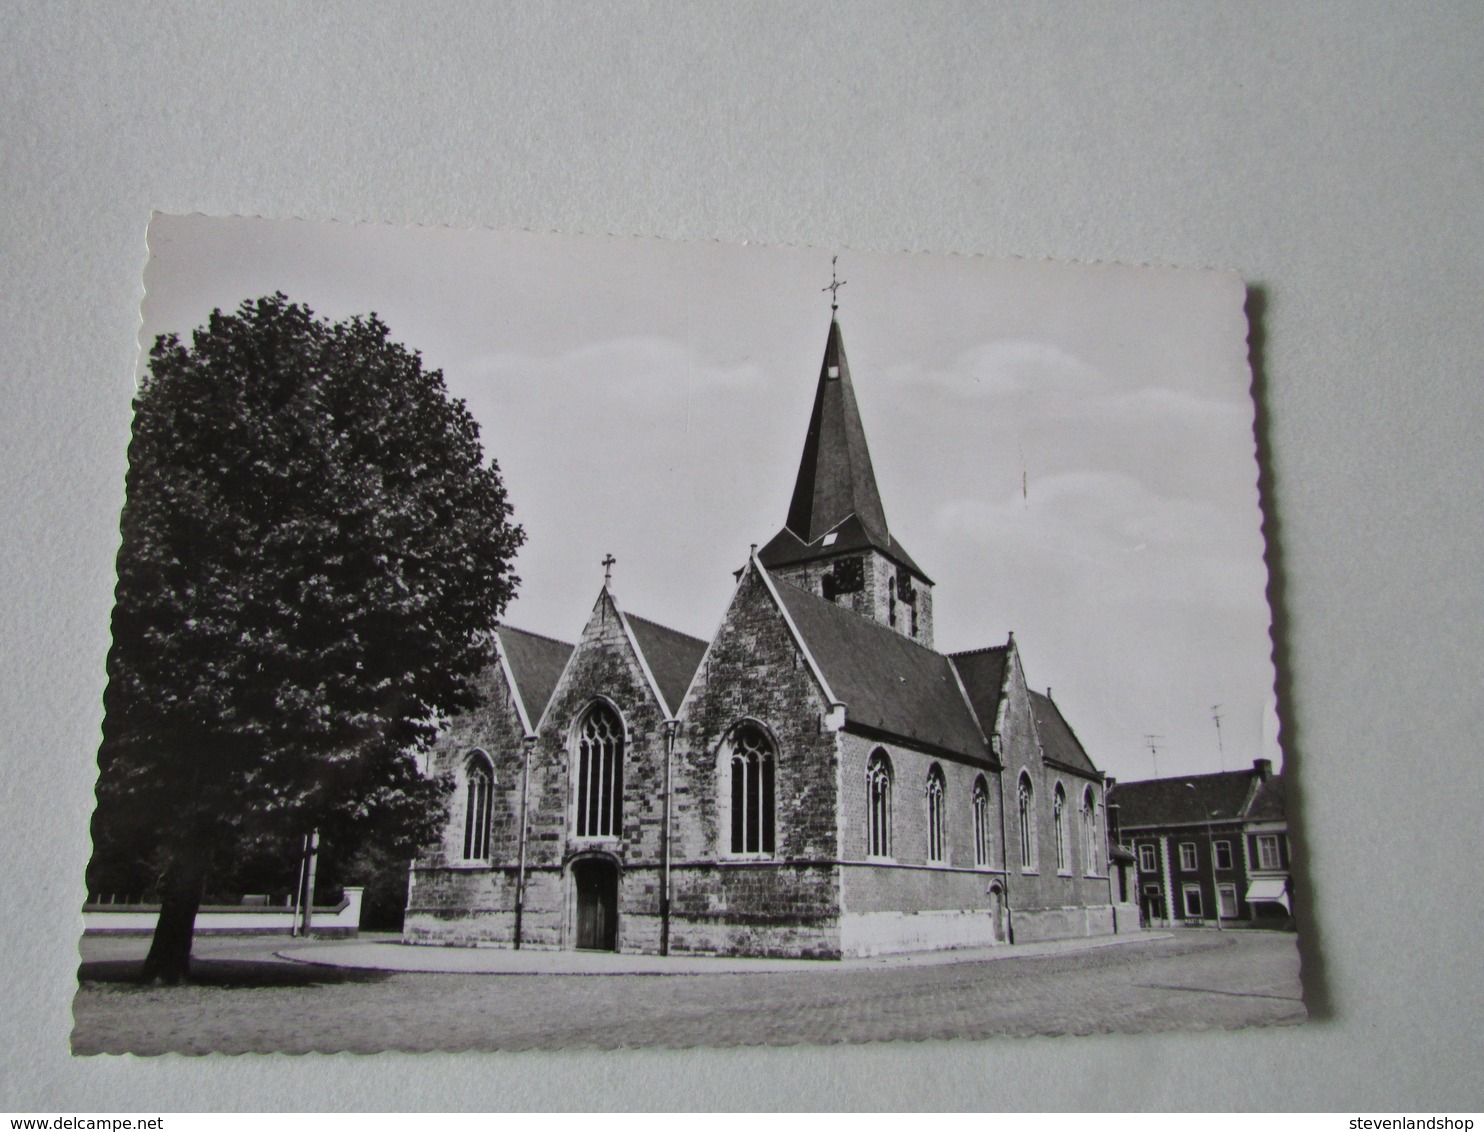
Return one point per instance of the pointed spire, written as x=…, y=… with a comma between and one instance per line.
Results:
x=835, y=475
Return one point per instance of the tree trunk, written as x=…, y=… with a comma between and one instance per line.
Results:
x=169, y=958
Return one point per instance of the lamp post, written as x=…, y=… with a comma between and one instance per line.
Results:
x=1211, y=850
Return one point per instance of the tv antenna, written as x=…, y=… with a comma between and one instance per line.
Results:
x=1152, y=742
x=1220, y=749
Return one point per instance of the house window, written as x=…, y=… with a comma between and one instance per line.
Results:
x=1226, y=897
x=1187, y=857
x=1027, y=809
x=878, y=801
x=478, y=790
x=752, y=790
x=1089, y=832
x=1223, y=854
x=1146, y=858
x=935, y=845
x=599, y=773
x=1059, y=822
x=981, y=823
x=1267, y=851
x=1192, y=894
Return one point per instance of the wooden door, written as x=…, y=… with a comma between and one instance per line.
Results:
x=597, y=905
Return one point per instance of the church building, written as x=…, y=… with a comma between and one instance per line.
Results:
x=814, y=781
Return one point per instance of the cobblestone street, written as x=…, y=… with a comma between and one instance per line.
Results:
x=246, y=1001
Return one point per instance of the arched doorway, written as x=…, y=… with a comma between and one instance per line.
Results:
x=596, y=881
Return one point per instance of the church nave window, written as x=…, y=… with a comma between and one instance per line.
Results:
x=936, y=847
x=752, y=765
x=599, y=773
x=478, y=794
x=878, y=806
x=1089, y=832
x=1027, y=812
x=982, y=842
x=1059, y=821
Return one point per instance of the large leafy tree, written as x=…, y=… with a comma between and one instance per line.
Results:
x=313, y=549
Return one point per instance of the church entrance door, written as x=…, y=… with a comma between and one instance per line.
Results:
x=597, y=905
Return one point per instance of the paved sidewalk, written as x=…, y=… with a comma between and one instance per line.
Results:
x=391, y=955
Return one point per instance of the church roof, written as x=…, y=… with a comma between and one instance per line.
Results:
x=672, y=656
x=983, y=674
x=1191, y=799
x=888, y=682
x=1058, y=739
x=536, y=663
x=836, y=482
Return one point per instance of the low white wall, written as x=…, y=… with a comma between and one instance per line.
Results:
x=882, y=933
x=139, y=919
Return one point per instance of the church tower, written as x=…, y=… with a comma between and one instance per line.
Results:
x=835, y=542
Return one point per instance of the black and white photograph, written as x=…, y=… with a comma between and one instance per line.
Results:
x=555, y=641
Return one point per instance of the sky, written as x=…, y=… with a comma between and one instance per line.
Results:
x=1066, y=449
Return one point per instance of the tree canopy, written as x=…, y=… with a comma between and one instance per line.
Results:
x=313, y=547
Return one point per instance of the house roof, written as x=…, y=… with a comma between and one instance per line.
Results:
x=888, y=682
x=1058, y=739
x=672, y=656
x=1268, y=801
x=983, y=674
x=836, y=482
x=536, y=662
x=1192, y=799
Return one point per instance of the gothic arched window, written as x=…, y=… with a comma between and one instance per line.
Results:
x=478, y=793
x=1059, y=821
x=1089, y=832
x=599, y=773
x=752, y=790
x=878, y=805
x=981, y=822
x=1027, y=805
x=936, y=849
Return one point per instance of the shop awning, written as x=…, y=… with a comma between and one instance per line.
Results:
x=1267, y=891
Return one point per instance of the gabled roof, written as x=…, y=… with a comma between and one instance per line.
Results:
x=1058, y=740
x=836, y=482
x=1192, y=799
x=536, y=663
x=672, y=656
x=888, y=682
x=983, y=674
x=1268, y=801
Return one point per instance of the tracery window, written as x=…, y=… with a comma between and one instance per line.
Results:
x=599, y=773
x=1059, y=822
x=936, y=839
x=752, y=790
x=1027, y=803
x=878, y=806
x=981, y=822
x=1089, y=832
x=478, y=792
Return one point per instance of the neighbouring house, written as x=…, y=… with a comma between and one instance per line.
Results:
x=814, y=780
x=1208, y=845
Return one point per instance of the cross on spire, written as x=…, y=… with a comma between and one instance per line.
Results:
x=835, y=284
x=608, y=561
